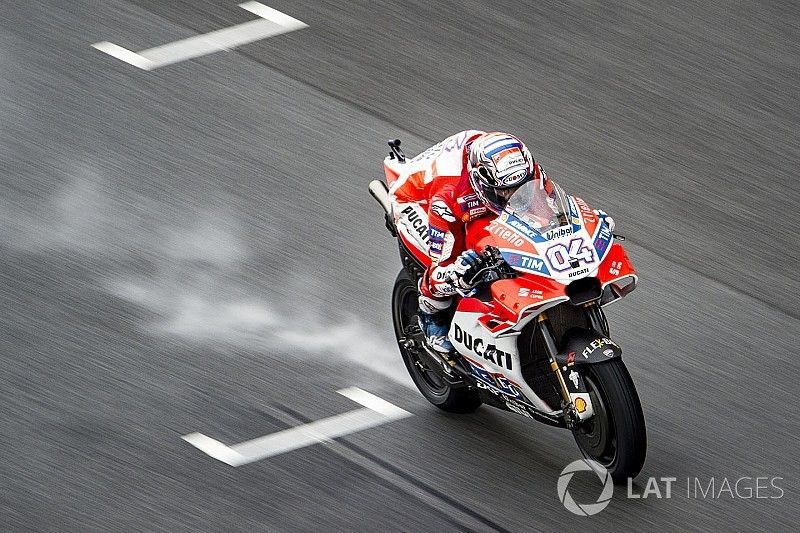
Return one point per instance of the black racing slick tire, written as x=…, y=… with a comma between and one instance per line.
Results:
x=615, y=436
x=428, y=380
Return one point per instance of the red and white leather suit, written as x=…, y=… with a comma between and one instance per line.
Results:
x=438, y=180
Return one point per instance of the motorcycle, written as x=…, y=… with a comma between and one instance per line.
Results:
x=532, y=338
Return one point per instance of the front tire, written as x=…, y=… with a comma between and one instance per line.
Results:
x=429, y=381
x=615, y=436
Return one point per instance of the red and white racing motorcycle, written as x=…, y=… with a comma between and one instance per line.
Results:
x=533, y=338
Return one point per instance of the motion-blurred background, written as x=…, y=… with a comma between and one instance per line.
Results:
x=186, y=249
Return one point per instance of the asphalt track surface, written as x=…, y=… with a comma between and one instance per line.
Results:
x=193, y=249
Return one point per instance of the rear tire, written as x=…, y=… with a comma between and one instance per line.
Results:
x=615, y=436
x=405, y=307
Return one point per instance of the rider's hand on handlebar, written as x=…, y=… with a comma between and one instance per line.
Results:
x=464, y=269
x=472, y=268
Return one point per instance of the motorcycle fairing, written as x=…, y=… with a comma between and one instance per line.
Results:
x=574, y=250
x=411, y=221
x=495, y=363
x=494, y=360
x=519, y=300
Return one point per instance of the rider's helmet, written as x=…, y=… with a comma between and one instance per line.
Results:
x=498, y=164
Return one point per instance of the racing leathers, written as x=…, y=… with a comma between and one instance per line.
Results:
x=438, y=180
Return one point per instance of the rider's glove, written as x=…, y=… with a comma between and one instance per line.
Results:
x=464, y=270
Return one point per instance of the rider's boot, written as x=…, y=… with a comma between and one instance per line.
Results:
x=435, y=327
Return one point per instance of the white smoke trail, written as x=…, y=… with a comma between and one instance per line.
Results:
x=262, y=327
x=196, y=289
x=194, y=294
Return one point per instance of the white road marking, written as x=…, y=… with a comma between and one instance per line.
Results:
x=371, y=401
x=272, y=22
x=125, y=55
x=377, y=411
x=214, y=448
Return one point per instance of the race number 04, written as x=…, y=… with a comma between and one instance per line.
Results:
x=560, y=256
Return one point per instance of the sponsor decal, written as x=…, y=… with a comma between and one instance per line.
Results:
x=496, y=383
x=523, y=228
x=614, y=268
x=440, y=274
x=507, y=158
x=576, y=273
x=437, y=237
x=524, y=261
x=505, y=234
x=435, y=233
x=573, y=377
x=557, y=233
x=417, y=224
x=603, y=239
x=573, y=211
x=516, y=407
x=504, y=385
x=586, y=211
x=570, y=358
x=525, y=292
x=482, y=374
x=441, y=209
x=468, y=202
x=598, y=343
x=476, y=212
x=608, y=353
x=514, y=178
x=479, y=346
x=445, y=289
x=580, y=404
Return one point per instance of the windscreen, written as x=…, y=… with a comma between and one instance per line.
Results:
x=541, y=204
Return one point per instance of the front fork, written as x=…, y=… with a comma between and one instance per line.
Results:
x=575, y=400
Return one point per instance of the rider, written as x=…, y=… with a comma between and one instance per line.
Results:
x=467, y=176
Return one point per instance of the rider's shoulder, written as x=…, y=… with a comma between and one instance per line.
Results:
x=445, y=189
x=459, y=141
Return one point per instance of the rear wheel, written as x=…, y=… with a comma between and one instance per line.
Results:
x=429, y=381
x=615, y=436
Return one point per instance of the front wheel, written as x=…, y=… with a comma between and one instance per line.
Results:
x=615, y=436
x=428, y=380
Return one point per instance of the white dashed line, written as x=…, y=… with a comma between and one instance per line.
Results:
x=377, y=411
x=272, y=22
x=214, y=448
x=125, y=55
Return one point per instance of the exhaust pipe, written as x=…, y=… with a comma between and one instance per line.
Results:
x=379, y=191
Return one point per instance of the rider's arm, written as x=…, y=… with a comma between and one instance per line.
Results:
x=447, y=243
